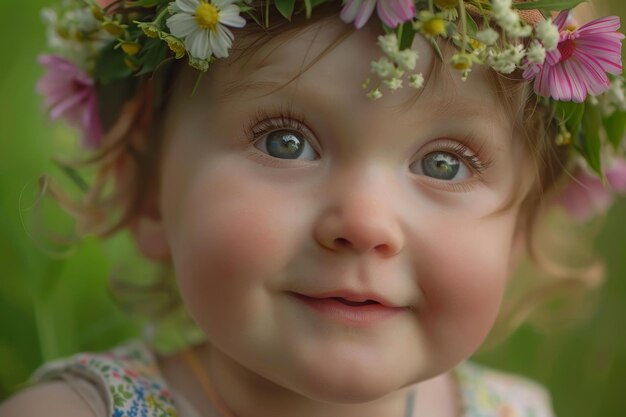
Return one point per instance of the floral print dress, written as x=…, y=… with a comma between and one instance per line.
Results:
x=131, y=385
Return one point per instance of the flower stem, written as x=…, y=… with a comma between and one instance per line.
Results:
x=463, y=16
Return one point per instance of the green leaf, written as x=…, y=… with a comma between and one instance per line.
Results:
x=552, y=5
x=571, y=114
x=315, y=3
x=472, y=26
x=152, y=55
x=589, y=143
x=615, y=127
x=436, y=48
x=310, y=4
x=111, y=65
x=406, y=34
x=285, y=7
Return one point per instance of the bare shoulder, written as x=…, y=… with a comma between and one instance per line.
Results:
x=50, y=399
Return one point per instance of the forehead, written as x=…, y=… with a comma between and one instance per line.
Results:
x=329, y=59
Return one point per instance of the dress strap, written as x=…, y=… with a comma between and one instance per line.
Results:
x=127, y=377
x=486, y=392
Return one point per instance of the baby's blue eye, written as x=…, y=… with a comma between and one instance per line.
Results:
x=442, y=166
x=287, y=144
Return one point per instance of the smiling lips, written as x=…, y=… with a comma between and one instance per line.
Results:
x=347, y=311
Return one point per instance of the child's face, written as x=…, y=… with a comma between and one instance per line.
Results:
x=252, y=233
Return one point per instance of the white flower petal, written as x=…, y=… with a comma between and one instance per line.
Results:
x=188, y=6
x=198, y=44
x=220, y=41
x=182, y=25
x=230, y=16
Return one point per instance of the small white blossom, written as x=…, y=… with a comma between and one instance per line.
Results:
x=520, y=31
x=416, y=81
x=548, y=34
x=406, y=58
x=508, y=20
x=383, y=67
x=375, y=94
x=487, y=36
x=616, y=94
x=536, y=53
x=451, y=15
x=507, y=60
x=397, y=73
x=393, y=84
x=503, y=66
x=515, y=53
x=389, y=44
x=501, y=5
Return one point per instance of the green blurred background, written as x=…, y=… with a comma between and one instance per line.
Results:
x=51, y=307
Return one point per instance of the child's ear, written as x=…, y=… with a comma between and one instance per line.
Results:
x=150, y=237
x=146, y=225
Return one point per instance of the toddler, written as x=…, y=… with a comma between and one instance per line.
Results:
x=342, y=195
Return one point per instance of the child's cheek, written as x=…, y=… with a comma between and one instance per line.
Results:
x=463, y=277
x=233, y=241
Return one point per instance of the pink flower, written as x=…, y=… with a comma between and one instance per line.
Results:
x=69, y=92
x=391, y=12
x=585, y=196
x=581, y=60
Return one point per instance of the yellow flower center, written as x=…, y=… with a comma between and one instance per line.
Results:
x=434, y=27
x=207, y=16
x=571, y=27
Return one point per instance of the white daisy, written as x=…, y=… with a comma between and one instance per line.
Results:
x=202, y=25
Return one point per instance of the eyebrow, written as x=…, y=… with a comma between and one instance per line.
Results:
x=249, y=87
x=466, y=108
x=462, y=107
x=470, y=106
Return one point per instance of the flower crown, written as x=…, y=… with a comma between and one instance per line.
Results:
x=575, y=70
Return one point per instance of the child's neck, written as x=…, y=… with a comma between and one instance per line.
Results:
x=249, y=395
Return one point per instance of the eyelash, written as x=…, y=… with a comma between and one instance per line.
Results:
x=460, y=150
x=265, y=122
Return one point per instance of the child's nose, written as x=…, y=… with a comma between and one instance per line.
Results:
x=359, y=221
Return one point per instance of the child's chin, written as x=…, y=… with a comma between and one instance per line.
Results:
x=331, y=388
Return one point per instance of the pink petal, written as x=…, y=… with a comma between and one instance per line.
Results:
x=553, y=56
x=561, y=20
x=403, y=9
x=69, y=92
x=364, y=14
x=579, y=92
x=542, y=82
x=585, y=196
x=561, y=84
x=531, y=71
x=605, y=24
x=349, y=10
x=616, y=176
x=596, y=80
x=386, y=14
x=67, y=104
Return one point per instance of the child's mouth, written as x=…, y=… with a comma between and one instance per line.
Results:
x=354, y=313
x=355, y=303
